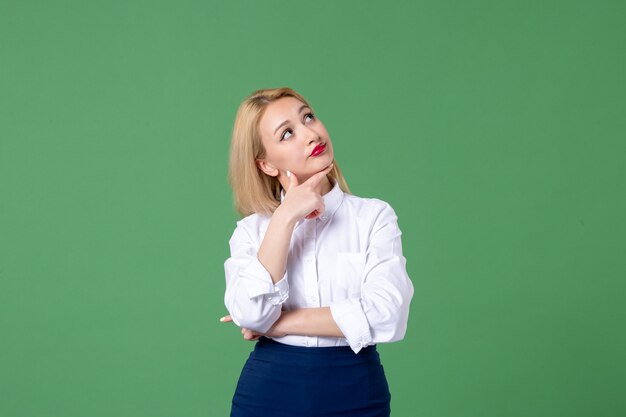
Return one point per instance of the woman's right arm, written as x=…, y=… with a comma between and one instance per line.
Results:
x=256, y=277
x=275, y=247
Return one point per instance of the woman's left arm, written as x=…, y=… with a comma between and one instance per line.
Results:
x=307, y=322
x=381, y=313
x=304, y=321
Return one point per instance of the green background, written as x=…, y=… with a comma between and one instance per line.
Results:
x=494, y=128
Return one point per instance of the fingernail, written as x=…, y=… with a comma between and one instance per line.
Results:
x=288, y=174
x=223, y=318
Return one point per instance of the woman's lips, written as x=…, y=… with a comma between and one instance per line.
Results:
x=318, y=149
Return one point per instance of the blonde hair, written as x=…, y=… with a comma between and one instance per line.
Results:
x=254, y=191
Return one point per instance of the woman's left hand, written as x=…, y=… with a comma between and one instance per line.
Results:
x=252, y=335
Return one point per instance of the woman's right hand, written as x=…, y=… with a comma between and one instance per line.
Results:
x=303, y=200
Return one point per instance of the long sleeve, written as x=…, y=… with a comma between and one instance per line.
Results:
x=251, y=297
x=381, y=312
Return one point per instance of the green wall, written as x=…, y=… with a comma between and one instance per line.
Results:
x=494, y=128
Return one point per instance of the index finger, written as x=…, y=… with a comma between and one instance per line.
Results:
x=316, y=178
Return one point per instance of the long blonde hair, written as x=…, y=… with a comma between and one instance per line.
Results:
x=254, y=191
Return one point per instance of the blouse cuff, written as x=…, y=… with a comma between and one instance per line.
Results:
x=352, y=322
x=262, y=285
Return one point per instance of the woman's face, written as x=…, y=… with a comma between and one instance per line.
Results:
x=294, y=139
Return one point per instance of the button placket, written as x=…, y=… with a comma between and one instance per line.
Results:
x=310, y=271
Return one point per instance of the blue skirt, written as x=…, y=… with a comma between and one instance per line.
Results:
x=281, y=380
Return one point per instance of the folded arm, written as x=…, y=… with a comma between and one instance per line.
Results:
x=379, y=315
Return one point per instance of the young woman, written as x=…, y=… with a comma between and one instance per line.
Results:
x=316, y=275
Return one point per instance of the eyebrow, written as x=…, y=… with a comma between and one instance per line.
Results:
x=304, y=106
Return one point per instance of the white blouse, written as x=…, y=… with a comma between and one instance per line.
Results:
x=350, y=259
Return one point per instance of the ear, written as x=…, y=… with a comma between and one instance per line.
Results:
x=267, y=168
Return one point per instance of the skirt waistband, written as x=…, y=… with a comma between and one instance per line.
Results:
x=271, y=350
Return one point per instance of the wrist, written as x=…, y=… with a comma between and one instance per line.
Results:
x=280, y=328
x=284, y=217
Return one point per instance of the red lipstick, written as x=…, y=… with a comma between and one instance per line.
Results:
x=318, y=149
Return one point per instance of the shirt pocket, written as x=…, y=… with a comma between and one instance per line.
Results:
x=350, y=270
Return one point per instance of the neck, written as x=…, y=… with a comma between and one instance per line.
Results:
x=324, y=186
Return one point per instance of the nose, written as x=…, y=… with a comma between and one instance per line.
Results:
x=310, y=135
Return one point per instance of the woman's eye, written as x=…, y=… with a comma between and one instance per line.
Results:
x=286, y=134
x=309, y=116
